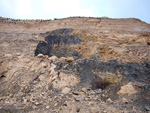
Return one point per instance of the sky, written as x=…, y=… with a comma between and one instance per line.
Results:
x=50, y=9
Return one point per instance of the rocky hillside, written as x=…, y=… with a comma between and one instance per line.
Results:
x=86, y=65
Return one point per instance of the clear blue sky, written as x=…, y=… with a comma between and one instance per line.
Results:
x=50, y=9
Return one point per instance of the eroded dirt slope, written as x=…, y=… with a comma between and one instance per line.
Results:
x=75, y=65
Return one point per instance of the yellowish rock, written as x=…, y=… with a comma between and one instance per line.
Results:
x=55, y=104
x=127, y=89
x=109, y=100
x=8, y=55
x=69, y=59
x=124, y=100
x=62, y=59
x=42, y=56
x=84, y=90
x=53, y=58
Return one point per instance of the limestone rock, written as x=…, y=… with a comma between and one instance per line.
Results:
x=47, y=107
x=124, y=100
x=84, y=90
x=55, y=104
x=53, y=58
x=65, y=103
x=62, y=59
x=66, y=90
x=42, y=56
x=127, y=89
x=109, y=100
x=69, y=59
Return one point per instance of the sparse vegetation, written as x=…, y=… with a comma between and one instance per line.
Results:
x=100, y=84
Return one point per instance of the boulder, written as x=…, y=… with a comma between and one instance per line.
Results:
x=127, y=89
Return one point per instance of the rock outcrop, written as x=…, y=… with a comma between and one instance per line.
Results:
x=75, y=65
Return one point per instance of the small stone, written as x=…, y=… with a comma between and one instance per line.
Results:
x=147, y=108
x=86, y=99
x=133, y=110
x=41, y=56
x=25, y=101
x=55, y=104
x=36, y=103
x=60, y=108
x=1, y=107
x=47, y=107
x=99, y=91
x=79, y=97
x=84, y=90
x=109, y=100
x=124, y=100
x=90, y=104
x=66, y=90
x=102, y=95
x=62, y=59
x=69, y=59
x=91, y=93
x=34, y=107
x=65, y=103
x=35, y=82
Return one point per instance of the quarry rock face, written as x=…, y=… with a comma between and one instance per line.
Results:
x=74, y=65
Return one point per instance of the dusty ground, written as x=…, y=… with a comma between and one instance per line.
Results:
x=86, y=65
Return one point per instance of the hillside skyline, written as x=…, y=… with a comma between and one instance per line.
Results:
x=48, y=9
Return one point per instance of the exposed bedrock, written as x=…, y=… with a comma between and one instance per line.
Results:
x=54, y=40
x=94, y=72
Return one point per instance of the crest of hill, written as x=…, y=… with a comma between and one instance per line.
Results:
x=92, y=24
